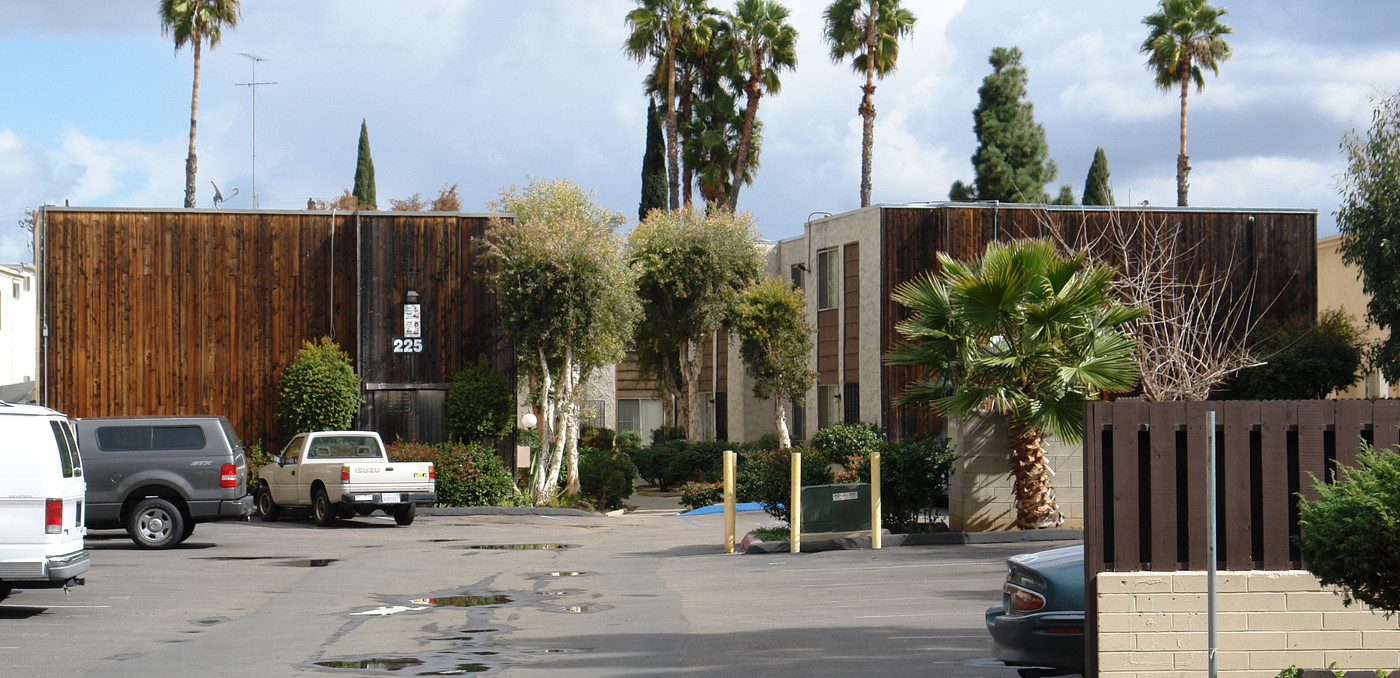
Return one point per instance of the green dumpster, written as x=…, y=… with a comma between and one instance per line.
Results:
x=836, y=508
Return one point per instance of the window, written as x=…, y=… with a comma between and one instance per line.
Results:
x=707, y=415
x=828, y=400
x=16, y=289
x=629, y=415
x=594, y=414
x=67, y=451
x=798, y=430
x=797, y=270
x=26, y=284
x=827, y=265
x=133, y=438
x=850, y=404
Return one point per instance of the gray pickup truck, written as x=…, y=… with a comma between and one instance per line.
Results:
x=158, y=476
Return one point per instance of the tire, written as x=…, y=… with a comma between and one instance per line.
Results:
x=155, y=523
x=5, y=591
x=322, y=509
x=268, y=510
x=189, y=530
x=405, y=515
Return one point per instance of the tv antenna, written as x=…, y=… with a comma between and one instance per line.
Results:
x=219, y=196
x=253, y=85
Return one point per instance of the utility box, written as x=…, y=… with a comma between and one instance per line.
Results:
x=836, y=508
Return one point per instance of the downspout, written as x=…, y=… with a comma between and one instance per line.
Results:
x=331, y=314
x=41, y=274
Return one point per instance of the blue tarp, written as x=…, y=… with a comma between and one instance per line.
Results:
x=719, y=508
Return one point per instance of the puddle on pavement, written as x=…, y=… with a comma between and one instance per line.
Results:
x=519, y=547
x=310, y=562
x=210, y=621
x=243, y=558
x=463, y=601
x=378, y=663
x=557, y=574
x=576, y=609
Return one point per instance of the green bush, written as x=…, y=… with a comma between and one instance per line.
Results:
x=765, y=476
x=700, y=495
x=479, y=404
x=598, y=437
x=767, y=441
x=1302, y=361
x=848, y=444
x=318, y=390
x=468, y=474
x=670, y=463
x=255, y=458
x=666, y=433
x=605, y=476
x=1351, y=532
x=628, y=441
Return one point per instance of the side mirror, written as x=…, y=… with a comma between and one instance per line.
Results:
x=278, y=460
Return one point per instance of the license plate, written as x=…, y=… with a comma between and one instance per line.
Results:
x=364, y=497
x=390, y=498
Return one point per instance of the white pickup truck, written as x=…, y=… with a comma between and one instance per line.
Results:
x=341, y=474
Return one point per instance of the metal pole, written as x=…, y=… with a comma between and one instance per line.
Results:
x=1210, y=544
x=253, y=85
x=876, y=534
x=729, y=501
x=795, y=506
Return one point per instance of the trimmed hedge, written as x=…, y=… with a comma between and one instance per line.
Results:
x=606, y=476
x=467, y=474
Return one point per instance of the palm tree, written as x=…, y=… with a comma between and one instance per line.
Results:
x=659, y=28
x=1025, y=332
x=763, y=43
x=868, y=31
x=1185, y=36
x=195, y=22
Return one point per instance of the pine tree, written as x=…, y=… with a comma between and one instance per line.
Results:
x=653, y=166
x=364, y=172
x=1096, y=188
x=1066, y=196
x=1012, y=160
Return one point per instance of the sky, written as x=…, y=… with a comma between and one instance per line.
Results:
x=488, y=93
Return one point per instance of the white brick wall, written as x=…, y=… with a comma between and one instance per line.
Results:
x=979, y=493
x=1154, y=624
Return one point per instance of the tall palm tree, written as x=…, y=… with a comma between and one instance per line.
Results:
x=659, y=27
x=1185, y=36
x=196, y=22
x=1025, y=332
x=763, y=43
x=868, y=31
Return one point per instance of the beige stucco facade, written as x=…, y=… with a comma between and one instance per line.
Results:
x=1339, y=287
x=1154, y=624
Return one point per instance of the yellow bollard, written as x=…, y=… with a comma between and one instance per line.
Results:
x=876, y=534
x=729, y=457
x=795, y=506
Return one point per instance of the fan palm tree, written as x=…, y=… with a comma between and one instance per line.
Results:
x=763, y=43
x=1025, y=332
x=1185, y=36
x=659, y=27
x=868, y=31
x=196, y=22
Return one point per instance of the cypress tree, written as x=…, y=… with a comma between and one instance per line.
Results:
x=654, y=185
x=364, y=172
x=1096, y=188
x=1012, y=160
x=1066, y=196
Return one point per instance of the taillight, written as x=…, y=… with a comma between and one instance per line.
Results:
x=53, y=516
x=344, y=473
x=432, y=471
x=1022, y=600
x=228, y=475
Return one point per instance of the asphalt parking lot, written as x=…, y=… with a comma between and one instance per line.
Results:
x=636, y=595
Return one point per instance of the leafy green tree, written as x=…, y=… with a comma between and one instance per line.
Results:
x=1012, y=159
x=364, y=173
x=1351, y=532
x=1183, y=37
x=867, y=31
x=775, y=341
x=1026, y=332
x=961, y=192
x=1302, y=361
x=653, y=166
x=691, y=269
x=658, y=29
x=1066, y=196
x=1096, y=187
x=1369, y=219
x=318, y=390
x=567, y=302
x=480, y=404
x=195, y=22
x=763, y=43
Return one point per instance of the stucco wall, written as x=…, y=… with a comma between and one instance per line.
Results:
x=1339, y=287
x=1154, y=624
x=979, y=493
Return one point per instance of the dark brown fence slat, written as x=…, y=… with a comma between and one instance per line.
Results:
x=1165, y=419
x=1126, y=549
x=1240, y=417
x=1196, y=455
x=1274, y=469
x=1387, y=418
x=1352, y=419
x=1312, y=425
x=1097, y=416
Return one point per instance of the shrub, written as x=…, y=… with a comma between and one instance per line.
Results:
x=605, y=476
x=666, y=433
x=1304, y=361
x=848, y=445
x=767, y=441
x=765, y=476
x=669, y=463
x=318, y=390
x=1351, y=532
x=598, y=437
x=468, y=474
x=479, y=404
x=700, y=495
x=914, y=476
x=255, y=458
x=628, y=441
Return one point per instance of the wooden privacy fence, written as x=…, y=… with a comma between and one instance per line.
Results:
x=1145, y=473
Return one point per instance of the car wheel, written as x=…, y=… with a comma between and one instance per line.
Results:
x=189, y=530
x=322, y=509
x=268, y=510
x=5, y=591
x=405, y=515
x=155, y=523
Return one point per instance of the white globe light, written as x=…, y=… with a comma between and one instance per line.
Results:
x=529, y=420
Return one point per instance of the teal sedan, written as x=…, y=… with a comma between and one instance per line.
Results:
x=1040, y=624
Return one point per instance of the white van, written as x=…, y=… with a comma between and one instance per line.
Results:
x=41, y=500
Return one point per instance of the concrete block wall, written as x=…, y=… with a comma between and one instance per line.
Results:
x=1154, y=624
x=979, y=493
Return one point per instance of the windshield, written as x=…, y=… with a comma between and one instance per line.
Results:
x=344, y=447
